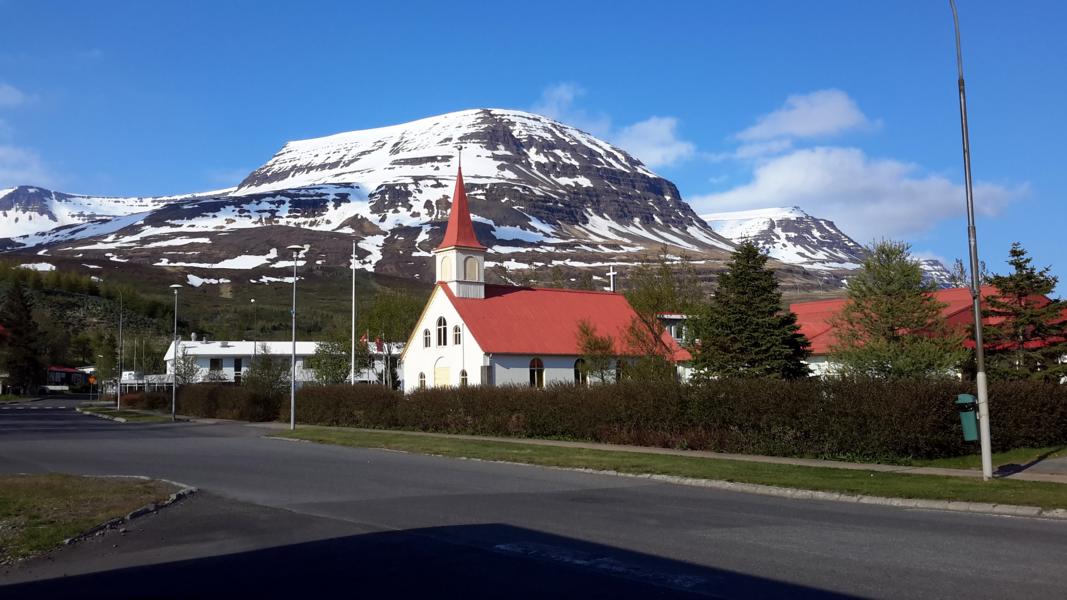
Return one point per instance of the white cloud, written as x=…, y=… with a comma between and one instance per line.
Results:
x=19, y=166
x=817, y=114
x=11, y=96
x=654, y=140
x=868, y=198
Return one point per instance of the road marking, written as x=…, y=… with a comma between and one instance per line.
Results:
x=604, y=564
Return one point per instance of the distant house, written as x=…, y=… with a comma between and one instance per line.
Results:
x=815, y=321
x=228, y=361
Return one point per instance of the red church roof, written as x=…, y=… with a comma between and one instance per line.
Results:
x=522, y=320
x=814, y=317
x=460, y=231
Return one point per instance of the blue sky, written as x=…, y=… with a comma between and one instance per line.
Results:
x=847, y=108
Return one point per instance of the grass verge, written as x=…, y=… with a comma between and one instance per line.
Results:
x=131, y=416
x=872, y=483
x=1020, y=456
x=38, y=512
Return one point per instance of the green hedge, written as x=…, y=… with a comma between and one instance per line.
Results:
x=885, y=420
x=210, y=400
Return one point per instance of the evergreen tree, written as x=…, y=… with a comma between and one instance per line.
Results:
x=892, y=326
x=21, y=357
x=1027, y=334
x=744, y=331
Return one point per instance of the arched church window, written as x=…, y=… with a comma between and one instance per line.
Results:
x=442, y=331
x=425, y=338
x=470, y=269
x=537, y=373
x=463, y=378
x=457, y=335
x=580, y=376
x=422, y=381
x=446, y=269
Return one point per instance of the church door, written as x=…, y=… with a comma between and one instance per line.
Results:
x=441, y=376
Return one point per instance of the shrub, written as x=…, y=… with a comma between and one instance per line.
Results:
x=222, y=401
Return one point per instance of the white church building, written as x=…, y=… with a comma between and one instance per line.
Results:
x=474, y=333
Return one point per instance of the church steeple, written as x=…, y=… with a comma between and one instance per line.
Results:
x=460, y=230
x=460, y=259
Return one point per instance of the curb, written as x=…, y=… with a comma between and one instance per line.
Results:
x=1012, y=510
x=184, y=492
x=100, y=416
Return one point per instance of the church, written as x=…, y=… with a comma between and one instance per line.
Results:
x=474, y=333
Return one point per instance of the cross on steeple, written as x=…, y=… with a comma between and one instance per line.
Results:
x=611, y=278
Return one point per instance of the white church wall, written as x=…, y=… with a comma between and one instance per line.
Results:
x=512, y=369
x=419, y=359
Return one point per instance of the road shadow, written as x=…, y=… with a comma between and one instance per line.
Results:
x=468, y=561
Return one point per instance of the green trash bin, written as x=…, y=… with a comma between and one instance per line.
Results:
x=968, y=407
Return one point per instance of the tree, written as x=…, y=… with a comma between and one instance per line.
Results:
x=392, y=316
x=597, y=352
x=667, y=284
x=961, y=277
x=744, y=331
x=332, y=361
x=892, y=326
x=268, y=375
x=185, y=368
x=1027, y=333
x=21, y=353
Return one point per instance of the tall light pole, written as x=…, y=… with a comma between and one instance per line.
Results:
x=976, y=282
x=352, y=374
x=174, y=360
x=292, y=376
x=118, y=388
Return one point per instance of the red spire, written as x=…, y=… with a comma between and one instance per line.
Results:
x=460, y=231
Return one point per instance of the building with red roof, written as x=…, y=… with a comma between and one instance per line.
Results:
x=815, y=319
x=474, y=333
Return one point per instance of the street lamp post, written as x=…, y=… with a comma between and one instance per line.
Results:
x=976, y=282
x=352, y=374
x=292, y=376
x=174, y=360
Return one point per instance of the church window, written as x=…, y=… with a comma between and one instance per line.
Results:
x=457, y=335
x=470, y=268
x=422, y=381
x=580, y=376
x=446, y=269
x=537, y=373
x=442, y=331
x=425, y=338
x=463, y=378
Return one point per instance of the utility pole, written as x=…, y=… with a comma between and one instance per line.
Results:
x=292, y=377
x=174, y=360
x=976, y=281
x=352, y=374
x=118, y=388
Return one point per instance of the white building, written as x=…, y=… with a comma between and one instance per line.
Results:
x=229, y=360
x=473, y=333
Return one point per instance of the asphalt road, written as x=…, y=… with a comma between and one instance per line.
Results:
x=278, y=518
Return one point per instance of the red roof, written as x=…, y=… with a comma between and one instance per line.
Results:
x=460, y=231
x=522, y=320
x=814, y=317
x=57, y=369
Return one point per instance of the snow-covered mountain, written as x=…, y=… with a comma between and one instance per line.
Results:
x=27, y=210
x=792, y=236
x=541, y=193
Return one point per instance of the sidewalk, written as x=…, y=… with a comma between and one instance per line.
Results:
x=1051, y=470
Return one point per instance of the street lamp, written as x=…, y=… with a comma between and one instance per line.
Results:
x=174, y=360
x=976, y=282
x=292, y=377
x=352, y=374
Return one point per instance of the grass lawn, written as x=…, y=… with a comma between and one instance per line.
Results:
x=1020, y=456
x=38, y=512
x=131, y=416
x=873, y=483
x=10, y=398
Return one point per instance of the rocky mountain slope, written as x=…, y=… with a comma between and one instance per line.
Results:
x=794, y=237
x=541, y=193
